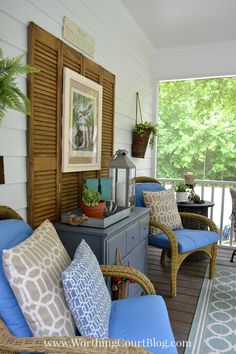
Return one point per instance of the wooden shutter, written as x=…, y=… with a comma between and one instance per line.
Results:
x=49, y=191
x=43, y=134
x=108, y=127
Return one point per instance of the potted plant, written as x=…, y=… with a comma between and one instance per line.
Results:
x=10, y=95
x=182, y=193
x=91, y=204
x=143, y=133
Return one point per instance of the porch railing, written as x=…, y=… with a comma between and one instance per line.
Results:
x=217, y=192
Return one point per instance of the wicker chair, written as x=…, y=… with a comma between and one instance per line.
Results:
x=176, y=258
x=11, y=344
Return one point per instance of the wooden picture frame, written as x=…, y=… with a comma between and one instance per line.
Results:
x=81, y=123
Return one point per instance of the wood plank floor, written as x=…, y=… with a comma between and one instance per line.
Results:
x=190, y=278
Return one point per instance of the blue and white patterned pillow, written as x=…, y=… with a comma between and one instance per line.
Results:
x=86, y=293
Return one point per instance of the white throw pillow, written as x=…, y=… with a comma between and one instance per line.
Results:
x=163, y=209
x=87, y=294
x=34, y=269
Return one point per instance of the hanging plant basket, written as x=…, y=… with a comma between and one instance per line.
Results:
x=143, y=133
x=139, y=144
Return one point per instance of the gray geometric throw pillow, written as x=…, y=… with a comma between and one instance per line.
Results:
x=163, y=209
x=33, y=269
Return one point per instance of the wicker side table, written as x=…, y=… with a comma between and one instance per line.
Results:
x=190, y=207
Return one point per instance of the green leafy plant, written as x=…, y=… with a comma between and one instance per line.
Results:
x=142, y=128
x=10, y=95
x=181, y=187
x=90, y=197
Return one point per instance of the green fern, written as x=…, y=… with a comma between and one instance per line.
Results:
x=10, y=95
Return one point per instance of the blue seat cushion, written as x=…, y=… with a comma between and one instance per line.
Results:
x=188, y=240
x=12, y=232
x=150, y=187
x=144, y=319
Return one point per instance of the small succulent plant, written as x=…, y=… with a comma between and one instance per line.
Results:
x=90, y=197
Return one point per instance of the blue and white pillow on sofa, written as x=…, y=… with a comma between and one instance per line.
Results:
x=86, y=293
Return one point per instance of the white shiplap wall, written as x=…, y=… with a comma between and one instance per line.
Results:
x=121, y=48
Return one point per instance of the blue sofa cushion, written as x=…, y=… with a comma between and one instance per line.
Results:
x=188, y=240
x=150, y=187
x=12, y=233
x=143, y=319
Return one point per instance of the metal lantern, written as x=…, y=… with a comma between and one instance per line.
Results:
x=123, y=172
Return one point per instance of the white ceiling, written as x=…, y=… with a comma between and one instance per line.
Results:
x=173, y=23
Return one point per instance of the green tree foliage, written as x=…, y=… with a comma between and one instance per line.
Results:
x=197, y=129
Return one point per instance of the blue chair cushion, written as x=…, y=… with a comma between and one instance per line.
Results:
x=150, y=187
x=144, y=319
x=188, y=240
x=12, y=233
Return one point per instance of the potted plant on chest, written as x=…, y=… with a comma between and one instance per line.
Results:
x=91, y=204
x=182, y=193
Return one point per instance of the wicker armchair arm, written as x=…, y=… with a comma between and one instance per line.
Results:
x=145, y=179
x=8, y=213
x=65, y=345
x=129, y=273
x=170, y=234
x=201, y=218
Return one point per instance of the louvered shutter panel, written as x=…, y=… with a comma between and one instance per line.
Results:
x=49, y=191
x=43, y=128
x=108, y=83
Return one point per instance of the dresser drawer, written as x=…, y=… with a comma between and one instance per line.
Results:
x=118, y=241
x=132, y=237
x=143, y=228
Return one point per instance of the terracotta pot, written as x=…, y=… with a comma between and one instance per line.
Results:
x=95, y=211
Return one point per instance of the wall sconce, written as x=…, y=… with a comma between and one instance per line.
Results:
x=123, y=173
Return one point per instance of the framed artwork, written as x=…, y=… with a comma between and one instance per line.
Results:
x=81, y=123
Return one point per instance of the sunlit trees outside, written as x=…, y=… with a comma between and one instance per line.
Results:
x=197, y=129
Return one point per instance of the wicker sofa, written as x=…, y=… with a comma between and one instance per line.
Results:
x=153, y=319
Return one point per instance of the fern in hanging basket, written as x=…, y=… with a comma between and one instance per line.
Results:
x=143, y=133
x=147, y=127
x=10, y=95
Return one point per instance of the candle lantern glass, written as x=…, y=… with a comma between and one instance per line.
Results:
x=189, y=178
x=123, y=173
x=189, y=181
